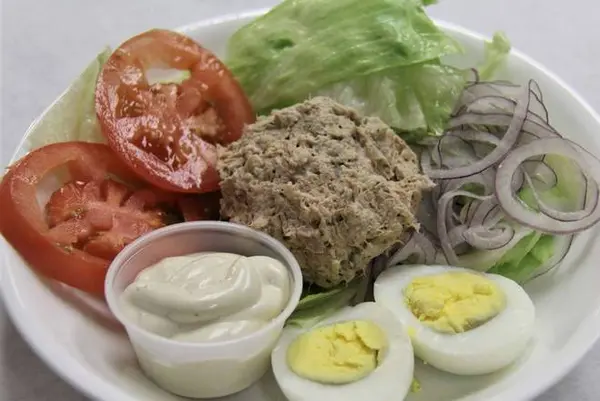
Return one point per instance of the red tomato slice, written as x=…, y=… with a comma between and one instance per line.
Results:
x=87, y=221
x=167, y=132
x=200, y=207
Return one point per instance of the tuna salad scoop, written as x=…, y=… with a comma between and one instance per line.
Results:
x=336, y=188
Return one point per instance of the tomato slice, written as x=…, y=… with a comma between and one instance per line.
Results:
x=100, y=217
x=167, y=132
x=200, y=207
x=88, y=220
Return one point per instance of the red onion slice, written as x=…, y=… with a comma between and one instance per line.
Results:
x=451, y=151
x=485, y=104
x=456, y=235
x=489, y=238
x=410, y=248
x=426, y=215
x=557, y=214
x=539, y=221
x=481, y=89
x=531, y=126
x=538, y=107
x=418, y=245
x=539, y=175
x=508, y=141
x=483, y=211
x=444, y=206
x=427, y=247
x=497, y=144
x=476, y=136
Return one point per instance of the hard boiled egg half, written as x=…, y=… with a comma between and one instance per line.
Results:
x=460, y=321
x=360, y=353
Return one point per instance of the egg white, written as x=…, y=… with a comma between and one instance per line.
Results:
x=391, y=380
x=484, y=349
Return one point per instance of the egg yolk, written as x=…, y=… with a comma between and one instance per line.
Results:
x=454, y=302
x=337, y=354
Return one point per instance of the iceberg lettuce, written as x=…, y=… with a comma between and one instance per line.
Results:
x=382, y=53
x=73, y=116
x=382, y=57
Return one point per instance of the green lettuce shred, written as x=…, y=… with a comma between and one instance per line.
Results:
x=521, y=261
x=533, y=250
x=495, y=54
x=417, y=98
x=314, y=307
x=382, y=57
x=310, y=300
x=303, y=47
x=73, y=116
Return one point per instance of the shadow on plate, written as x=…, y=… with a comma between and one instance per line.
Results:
x=23, y=375
x=91, y=308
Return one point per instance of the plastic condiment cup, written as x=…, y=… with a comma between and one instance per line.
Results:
x=200, y=370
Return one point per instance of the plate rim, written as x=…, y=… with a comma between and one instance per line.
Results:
x=72, y=372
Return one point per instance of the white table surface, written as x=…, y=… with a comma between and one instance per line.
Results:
x=45, y=44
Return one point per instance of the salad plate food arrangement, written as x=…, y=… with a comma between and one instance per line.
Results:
x=325, y=200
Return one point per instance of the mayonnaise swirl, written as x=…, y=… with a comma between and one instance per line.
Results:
x=207, y=296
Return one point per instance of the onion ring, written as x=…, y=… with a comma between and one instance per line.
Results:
x=539, y=221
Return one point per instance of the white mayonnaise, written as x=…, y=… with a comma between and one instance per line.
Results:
x=207, y=297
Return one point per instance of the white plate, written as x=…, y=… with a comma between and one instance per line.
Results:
x=89, y=350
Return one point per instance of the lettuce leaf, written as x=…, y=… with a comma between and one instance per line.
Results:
x=315, y=307
x=417, y=97
x=537, y=250
x=382, y=57
x=534, y=251
x=484, y=260
x=73, y=116
x=301, y=47
x=417, y=100
x=521, y=261
x=310, y=300
x=569, y=192
x=495, y=54
x=527, y=252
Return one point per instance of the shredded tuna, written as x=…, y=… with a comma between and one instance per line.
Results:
x=336, y=188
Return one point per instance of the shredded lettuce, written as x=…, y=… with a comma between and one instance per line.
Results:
x=495, y=53
x=314, y=307
x=417, y=100
x=382, y=57
x=484, y=260
x=73, y=116
x=536, y=250
x=532, y=250
x=570, y=184
x=310, y=300
x=302, y=47
x=409, y=99
x=521, y=261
